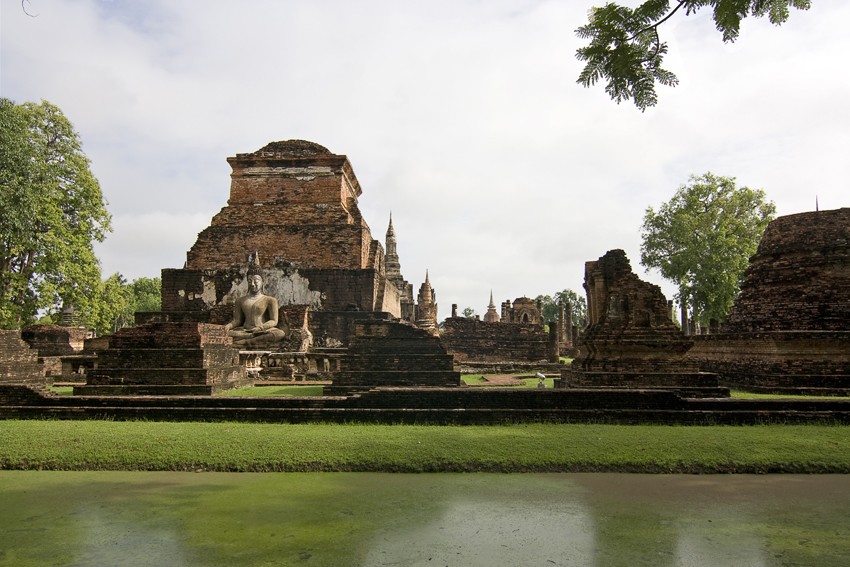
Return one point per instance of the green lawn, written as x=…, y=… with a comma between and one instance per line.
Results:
x=107, y=445
x=263, y=391
x=529, y=382
x=752, y=396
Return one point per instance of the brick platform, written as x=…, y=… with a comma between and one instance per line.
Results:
x=390, y=353
x=456, y=406
x=166, y=359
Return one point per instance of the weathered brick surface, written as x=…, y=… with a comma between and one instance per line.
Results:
x=799, y=279
x=336, y=328
x=631, y=342
x=54, y=340
x=470, y=340
x=287, y=204
x=524, y=310
x=391, y=353
x=18, y=362
x=166, y=358
x=789, y=329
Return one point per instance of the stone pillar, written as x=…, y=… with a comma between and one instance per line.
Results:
x=670, y=309
x=576, y=334
x=562, y=334
x=685, y=319
x=454, y=309
x=554, y=350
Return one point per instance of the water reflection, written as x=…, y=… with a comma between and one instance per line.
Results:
x=534, y=531
x=360, y=519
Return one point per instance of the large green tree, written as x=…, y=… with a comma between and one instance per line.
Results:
x=115, y=304
x=51, y=211
x=626, y=50
x=702, y=238
x=119, y=301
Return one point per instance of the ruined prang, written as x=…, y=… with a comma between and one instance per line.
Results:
x=630, y=341
x=789, y=329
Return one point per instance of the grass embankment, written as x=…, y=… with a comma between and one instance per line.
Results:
x=106, y=445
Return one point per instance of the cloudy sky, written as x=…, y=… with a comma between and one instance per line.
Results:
x=463, y=117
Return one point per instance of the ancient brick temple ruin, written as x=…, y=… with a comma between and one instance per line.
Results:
x=19, y=362
x=519, y=335
x=294, y=204
x=631, y=341
x=55, y=342
x=523, y=310
x=789, y=329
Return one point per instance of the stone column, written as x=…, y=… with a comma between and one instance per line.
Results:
x=670, y=309
x=454, y=309
x=561, y=323
x=685, y=319
x=554, y=350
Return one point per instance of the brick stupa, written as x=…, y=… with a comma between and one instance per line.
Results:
x=789, y=329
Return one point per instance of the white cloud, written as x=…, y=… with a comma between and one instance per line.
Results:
x=462, y=117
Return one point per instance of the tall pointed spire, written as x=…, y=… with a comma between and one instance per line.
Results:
x=393, y=266
x=390, y=231
x=492, y=316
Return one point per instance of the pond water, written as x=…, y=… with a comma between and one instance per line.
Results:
x=364, y=519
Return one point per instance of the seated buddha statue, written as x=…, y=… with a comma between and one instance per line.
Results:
x=255, y=316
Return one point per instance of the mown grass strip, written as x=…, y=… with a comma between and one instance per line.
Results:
x=754, y=396
x=272, y=391
x=105, y=445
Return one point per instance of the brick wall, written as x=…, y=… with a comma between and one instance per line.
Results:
x=18, y=362
x=470, y=340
